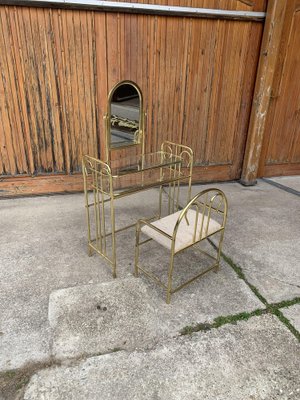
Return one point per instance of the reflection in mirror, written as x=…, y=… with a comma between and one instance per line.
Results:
x=124, y=124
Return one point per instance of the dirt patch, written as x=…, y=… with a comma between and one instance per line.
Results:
x=13, y=383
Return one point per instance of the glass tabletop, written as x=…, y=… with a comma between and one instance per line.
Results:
x=138, y=163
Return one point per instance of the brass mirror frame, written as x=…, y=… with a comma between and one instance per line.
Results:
x=141, y=134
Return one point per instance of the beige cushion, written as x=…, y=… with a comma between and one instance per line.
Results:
x=185, y=233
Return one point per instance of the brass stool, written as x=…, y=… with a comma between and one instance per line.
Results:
x=204, y=216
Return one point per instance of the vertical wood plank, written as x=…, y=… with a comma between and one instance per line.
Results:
x=7, y=148
x=41, y=89
x=11, y=94
x=22, y=156
x=63, y=98
x=112, y=49
x=72, y=79
x=101, y=77
x=19, y=71
x=93, y=143
x=24, y=36
x=8, y=164
x=53, y=95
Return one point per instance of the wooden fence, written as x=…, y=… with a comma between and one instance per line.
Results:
x=58, y=65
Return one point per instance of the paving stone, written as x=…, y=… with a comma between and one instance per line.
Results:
x=242, y=361
x=95, y=319
x=293, y=314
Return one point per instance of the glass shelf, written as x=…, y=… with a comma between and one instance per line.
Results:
x=139, y=163
x=137, y=173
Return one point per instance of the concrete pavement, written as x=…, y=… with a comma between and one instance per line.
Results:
x=59, y=305
x=243, y=361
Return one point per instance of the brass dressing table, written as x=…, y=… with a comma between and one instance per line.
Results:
x=127, y=169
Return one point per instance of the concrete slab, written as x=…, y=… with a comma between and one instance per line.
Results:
x=243, y=361
x=95, y=319
x=293, y=314
x=263, y=237
x=292, y=182
x=43, y=248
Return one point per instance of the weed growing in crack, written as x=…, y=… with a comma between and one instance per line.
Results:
x=273, y=308
x=238, y=270
x=287, y=323
x=115, y=349
x=287, y=303
x=188, y=330
x=13, y=382
x=220, y=321
x=233, y=319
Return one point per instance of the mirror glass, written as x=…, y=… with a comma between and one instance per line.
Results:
x=124, y=115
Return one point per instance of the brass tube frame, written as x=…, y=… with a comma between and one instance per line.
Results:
x=208, y=207
x=99, y=178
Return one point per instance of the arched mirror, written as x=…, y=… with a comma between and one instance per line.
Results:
x=125, y=116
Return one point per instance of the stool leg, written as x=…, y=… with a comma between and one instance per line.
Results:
x=137, y=249
x=113, y=238
x=170, y=275
x=219, y=251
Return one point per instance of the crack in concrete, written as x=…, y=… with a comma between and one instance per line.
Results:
x=245, y=269
x=285, y=283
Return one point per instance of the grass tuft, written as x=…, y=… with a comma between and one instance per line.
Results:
x=115, y=349
x=188, y=330
x=287, y=303
x=233, y=319
x=220, y=321
x=22, y=382
x=10, y=374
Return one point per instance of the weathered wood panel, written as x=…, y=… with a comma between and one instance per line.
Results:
x=47, y=83
x=281, y=146
x=38, y=185
x=197, y=77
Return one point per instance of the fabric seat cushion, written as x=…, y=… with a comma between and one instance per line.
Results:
x=185, y=233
